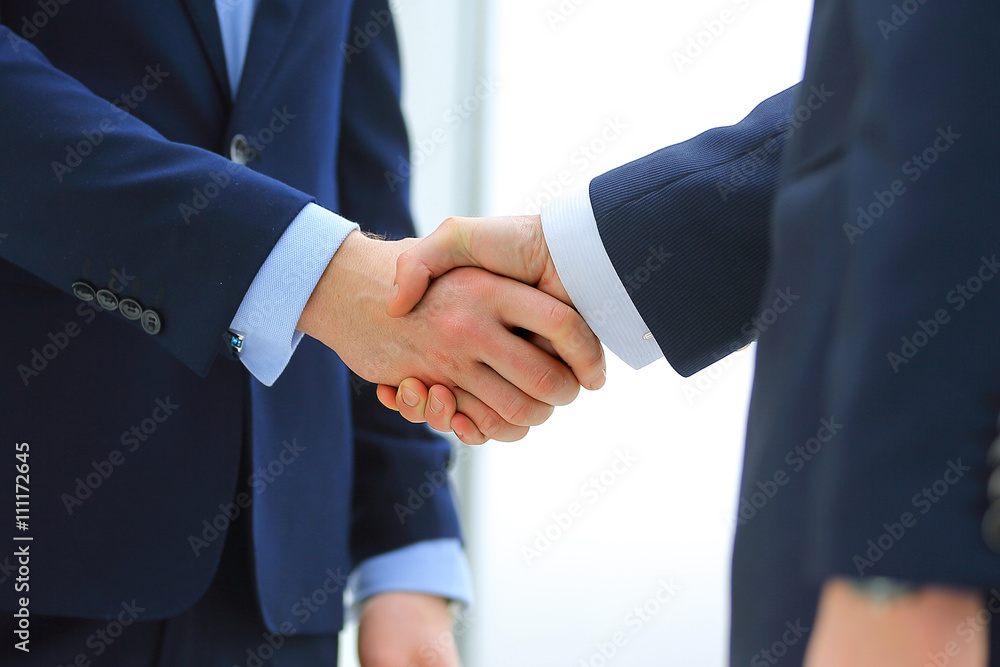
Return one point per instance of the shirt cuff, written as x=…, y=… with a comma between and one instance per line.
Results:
x=435, y=567
x=271, y=309
x=591, y=281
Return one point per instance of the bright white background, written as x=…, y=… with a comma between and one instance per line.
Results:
x=558, y=73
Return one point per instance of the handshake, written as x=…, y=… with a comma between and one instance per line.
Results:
x=485, y=350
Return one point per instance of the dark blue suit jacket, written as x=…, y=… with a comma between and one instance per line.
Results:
x=135, y=440
x=850, y=224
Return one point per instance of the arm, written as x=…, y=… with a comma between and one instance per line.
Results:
x=129, y=197
x=86, y=187
x=689, y=271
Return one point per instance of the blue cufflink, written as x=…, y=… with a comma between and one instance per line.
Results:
x=235, y=343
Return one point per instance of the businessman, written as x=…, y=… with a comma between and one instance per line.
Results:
x=850, y=225
x=197, y=472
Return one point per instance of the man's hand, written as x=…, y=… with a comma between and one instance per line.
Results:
x=513, y=247
x=462, y=336
x=853, y=629
x=406, y=630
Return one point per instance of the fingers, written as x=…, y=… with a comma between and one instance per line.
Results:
x=571, y=338
x=446, y=248
x=449, y=411
x=411, y=400
x=472, y=412
x=387, y=396
x=534, y=371
x=511, y=403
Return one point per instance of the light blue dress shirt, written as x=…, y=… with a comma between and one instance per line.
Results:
x=267, y=318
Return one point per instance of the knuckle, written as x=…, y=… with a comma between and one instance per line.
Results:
x=550, y=383
x=528, y=412
x=490, y=424
x=560, y=315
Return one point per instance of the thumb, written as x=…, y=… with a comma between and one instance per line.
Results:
x=448, y=247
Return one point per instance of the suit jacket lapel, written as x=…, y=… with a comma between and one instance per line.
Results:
x=272, y=26
x=206, y=22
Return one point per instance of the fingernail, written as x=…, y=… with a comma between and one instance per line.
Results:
x=459, y=434
x=601, y=379
x=410, y=398
x=394, y=293
x=436, y=405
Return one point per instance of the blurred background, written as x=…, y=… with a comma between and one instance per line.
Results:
x=614, y=520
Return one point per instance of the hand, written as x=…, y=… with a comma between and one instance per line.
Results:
x=514, y=247
x=855, y=630
x=461, y=336
x=406, y=630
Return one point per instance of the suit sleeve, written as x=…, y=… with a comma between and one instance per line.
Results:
x=687, y=230
x=85, y=189
x=401, y=492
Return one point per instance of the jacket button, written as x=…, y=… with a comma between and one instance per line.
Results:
x=151, y=322
x=83, y=291
x=107, y=299
x=240, y=150
x=130, y=308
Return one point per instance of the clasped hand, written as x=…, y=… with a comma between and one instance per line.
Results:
x=486, y=349
x=512, y=247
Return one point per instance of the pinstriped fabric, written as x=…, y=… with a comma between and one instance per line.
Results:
x=696, y=266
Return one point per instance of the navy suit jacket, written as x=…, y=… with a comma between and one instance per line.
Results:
x=851, y=225
x=135, y=440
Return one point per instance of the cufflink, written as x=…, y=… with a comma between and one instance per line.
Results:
x=235, y=343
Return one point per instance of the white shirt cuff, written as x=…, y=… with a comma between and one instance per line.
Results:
x=591, y=280
x=434, y=567
x=273, y=305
